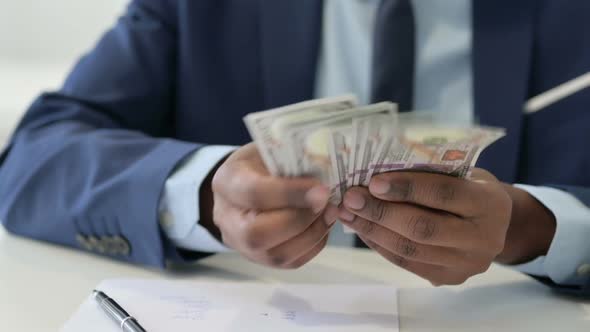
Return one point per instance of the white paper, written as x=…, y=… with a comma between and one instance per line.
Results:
x=200, y=306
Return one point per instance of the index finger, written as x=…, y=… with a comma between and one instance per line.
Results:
x=442, y=192
x=250, y=189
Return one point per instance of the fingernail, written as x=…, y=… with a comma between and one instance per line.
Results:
x=354, y=200
x=379, y=187
x=346, y=215
x=317, y=198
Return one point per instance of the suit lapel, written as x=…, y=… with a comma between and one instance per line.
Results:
x=290, y=36
x=502, y=46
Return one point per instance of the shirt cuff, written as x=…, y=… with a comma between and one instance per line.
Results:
x=179, y=207
x=568, y=260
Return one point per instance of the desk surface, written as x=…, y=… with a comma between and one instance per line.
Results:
x=41, y=285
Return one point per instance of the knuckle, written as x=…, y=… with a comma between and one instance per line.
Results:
x=221, y=218
x=250, y=196
x=402, y=189
x=480, y=173
x=490, y=198
x=252, y=238
x=494, y=244
x=494, y=199
x=482, y=267
x=378, y=211
x=498, y=247
x=217, y=215
x=438, y=281
x=444, y=192
x=448, y=278
x=422, y=228
x=503, y=202
x=398, y=260
x=248, y=189
x=219, y=180
x=406, y=247
x=367, y=228
x=278, y=260
x=458, y=280
x=395, y=242
x=226, y=240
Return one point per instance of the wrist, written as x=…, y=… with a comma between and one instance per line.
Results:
x=531, y=230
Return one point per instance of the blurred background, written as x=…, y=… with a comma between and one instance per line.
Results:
x=39, y=42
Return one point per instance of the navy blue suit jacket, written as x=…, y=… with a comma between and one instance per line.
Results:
x=172, y=76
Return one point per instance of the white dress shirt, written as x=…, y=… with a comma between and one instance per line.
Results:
x=443, y=83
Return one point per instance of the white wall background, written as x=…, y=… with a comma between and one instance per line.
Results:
x=39, y=42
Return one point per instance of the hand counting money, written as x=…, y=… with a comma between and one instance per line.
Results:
x=344, y=145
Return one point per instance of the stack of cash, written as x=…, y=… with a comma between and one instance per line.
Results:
x=344, y=145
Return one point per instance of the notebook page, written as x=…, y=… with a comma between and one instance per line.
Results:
x=207, y=306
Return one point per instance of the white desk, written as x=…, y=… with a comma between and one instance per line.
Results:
x=41, y=285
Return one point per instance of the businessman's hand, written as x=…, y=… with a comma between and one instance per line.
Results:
x=441, y=228
x=273, y=221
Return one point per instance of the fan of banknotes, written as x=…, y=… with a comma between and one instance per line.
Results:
x=344, y=145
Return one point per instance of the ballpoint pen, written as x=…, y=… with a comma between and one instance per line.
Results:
x=117, y=313
x=558, y=93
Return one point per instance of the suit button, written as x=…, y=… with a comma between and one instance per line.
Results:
x=109, y=245
x=94, y=243
x=122, y=245
x=583, y=270
x=101, y=247
x=83, y=242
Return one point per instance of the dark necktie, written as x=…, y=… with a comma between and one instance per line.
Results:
x=394, y=54
x=393, y=57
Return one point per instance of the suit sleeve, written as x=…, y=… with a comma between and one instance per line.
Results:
x=87, y=165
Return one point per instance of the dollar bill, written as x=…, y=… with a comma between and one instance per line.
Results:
x=267, y=128
x=309, y=147
x=308, y=138
x=367, y=136
x=340, y=141
x=344, y=145
x=375, y=131
x=452, y=151
x=359, y=134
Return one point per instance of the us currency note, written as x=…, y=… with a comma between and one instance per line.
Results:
x=267, y=129
x=368, y=132
x=309, y=146
x=340, y=141
x=359, y=134
x=452, y=151
x=379, y=158
x=377, y=131
x=306, y=138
